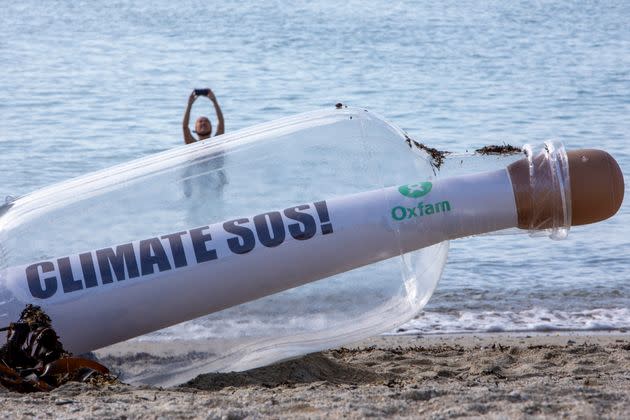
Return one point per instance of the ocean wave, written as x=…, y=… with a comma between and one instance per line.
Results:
x=427, y=322
x=530, y=320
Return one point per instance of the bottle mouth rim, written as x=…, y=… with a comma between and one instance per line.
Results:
x=542, y=190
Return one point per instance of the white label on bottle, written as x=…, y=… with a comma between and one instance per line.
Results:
x=141, y=286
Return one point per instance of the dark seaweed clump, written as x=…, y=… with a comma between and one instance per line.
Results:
x=505, y=149
x=437, y=156
x=33, y=359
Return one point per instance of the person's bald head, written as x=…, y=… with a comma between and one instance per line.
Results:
x=203, y=127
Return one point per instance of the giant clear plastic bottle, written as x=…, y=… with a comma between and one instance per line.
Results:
x=320, y=155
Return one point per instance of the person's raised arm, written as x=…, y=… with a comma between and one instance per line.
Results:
x=188, y=137
x=217, y=109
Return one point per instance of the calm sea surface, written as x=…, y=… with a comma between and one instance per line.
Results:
x=85, y=85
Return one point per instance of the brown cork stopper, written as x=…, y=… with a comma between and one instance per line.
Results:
x=596, y=190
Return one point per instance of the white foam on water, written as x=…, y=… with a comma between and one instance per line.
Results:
x=531, y=320
x=534, y=320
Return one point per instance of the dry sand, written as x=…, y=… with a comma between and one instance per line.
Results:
x=489, y=375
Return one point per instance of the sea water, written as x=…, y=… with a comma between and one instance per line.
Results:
x=86, y=85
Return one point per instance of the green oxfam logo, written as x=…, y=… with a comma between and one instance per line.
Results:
x=415, y=190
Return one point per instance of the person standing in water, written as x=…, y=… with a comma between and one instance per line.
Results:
x=206, y=173
x=203, y=126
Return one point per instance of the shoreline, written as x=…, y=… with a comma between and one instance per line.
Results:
x=491, y=375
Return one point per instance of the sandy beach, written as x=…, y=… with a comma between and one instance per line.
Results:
x=480, y=375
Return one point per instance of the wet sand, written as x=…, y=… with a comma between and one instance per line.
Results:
x=487, y=375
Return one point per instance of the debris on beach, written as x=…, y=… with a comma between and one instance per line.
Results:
x=33, y=359
x=505, y=149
